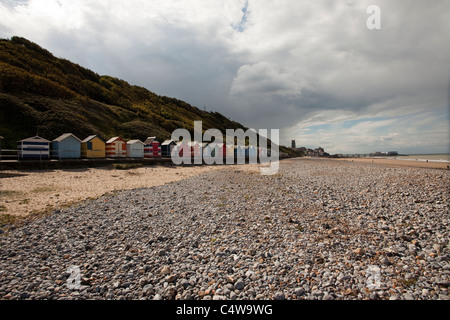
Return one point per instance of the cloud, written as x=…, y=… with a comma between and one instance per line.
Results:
x=281, y=64
x=357, y=134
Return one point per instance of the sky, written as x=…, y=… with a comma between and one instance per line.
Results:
x=316, y=70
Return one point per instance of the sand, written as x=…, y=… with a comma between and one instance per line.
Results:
x=26, y=192
x=32, y=192
x=399, y=163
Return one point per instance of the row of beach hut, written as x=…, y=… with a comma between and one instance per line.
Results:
x=68, y=146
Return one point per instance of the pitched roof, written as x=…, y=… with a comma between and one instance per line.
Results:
x=135, y=141
x=114, y=139
x=36, y=138
x=167, y=142
x=90, y=138
x=150, y=140
x=215, y=144
x=65, y=136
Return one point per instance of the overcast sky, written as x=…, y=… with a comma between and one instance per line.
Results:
x=312, y=69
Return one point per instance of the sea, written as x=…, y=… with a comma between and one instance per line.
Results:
x=440, y=157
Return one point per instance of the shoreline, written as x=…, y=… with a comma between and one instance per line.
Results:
x=398, y=163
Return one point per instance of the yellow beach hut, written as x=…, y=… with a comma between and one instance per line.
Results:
x=93, y=147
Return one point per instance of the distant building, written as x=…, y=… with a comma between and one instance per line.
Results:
x=293, y=144
x=377, y=154
x=319, y=152
x=384, y=154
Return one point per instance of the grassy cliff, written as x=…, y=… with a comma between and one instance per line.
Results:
x=41, y=94
x=45, y=95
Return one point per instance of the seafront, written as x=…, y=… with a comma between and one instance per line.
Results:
x=319, y=229
x=392, y=162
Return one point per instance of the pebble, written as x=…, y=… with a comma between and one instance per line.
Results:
x=316, y=230
x=157, y=297
x=239, y=285
x=279, y=296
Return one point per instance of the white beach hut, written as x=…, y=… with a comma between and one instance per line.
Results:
x=135, y=149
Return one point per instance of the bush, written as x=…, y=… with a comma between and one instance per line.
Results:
x=126, y=166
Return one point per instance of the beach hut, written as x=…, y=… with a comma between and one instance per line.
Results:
x=239, y=152
x=135, y=149
x=152, y=148
x=220, y=149
x=33, y=148
x=216, y=151
x=116, y=148
x=197, y=148
x=253, y=152
x=183, y=149
x=93, y=147
x=211, y=149
x=199, y=153
x=66, y=146
x=229, y=153
x=263, y=152
x=167, y=147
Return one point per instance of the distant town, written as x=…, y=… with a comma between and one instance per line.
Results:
x=320, y=152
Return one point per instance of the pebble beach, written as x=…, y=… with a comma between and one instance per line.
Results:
x=317, y=230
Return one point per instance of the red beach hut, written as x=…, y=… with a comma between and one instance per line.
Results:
x=152, y=148
x=116, y=148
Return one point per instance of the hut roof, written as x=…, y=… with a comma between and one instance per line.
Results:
x=114, y=139
x=215, y=144
x=65, y=136
x=90, y=138
x=167, y=142
x=150, y=140
x=135, y=141
x=35, y=138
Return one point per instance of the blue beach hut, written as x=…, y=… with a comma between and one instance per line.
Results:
x=67, y=146
x=239, y=152
x=166, y=148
